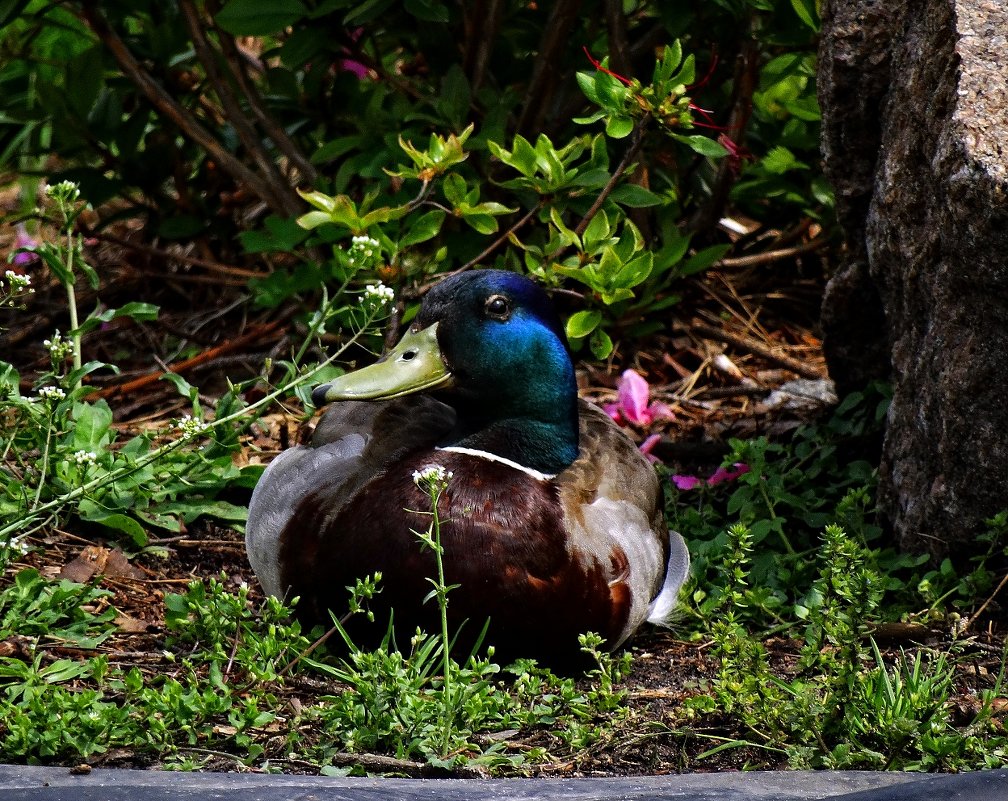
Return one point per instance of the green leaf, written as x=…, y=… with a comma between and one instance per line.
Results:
x=582, y=323
x=704, y=259
x=635, y=196
x=598, y=115
x=483, y=223
x=423, y=228
x=52, y=257
x=313, y=219
x=303, y=45
x=619, y=127
x=89, y=272
x=455, y=96
x=74, y=376
x=586, y=81
x=598, y=230
x=259, y=17
x=367, y=11
x=703, y=145
x=427, y=10
x=781, y=160
x=600, y=344
x=522, y=156
x=91, y=426
x=10, y=9
x=135, y=310
x=319, y=200
x=806, y=11
x=454, y=188
x=336, y=148
x=114, y=520
x=158, y=520
x=281, y=234
x=191, y=508
x=183, y=387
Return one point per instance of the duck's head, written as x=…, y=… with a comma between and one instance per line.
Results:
x=489, y=343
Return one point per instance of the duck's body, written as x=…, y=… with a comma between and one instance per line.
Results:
x=550, y=529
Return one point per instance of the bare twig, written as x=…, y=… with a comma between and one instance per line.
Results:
x=423, y=289
x=619, y=47
x=238, y=61
x=541, y=85
x=637, y=138
x=770, y=256
x=234, y=113
x=481, y=25
x=502, y=238
x=255, y=334
x=757, y=348
x=746, y=78
x=166, y=105
x=168, y=255
x=984, y=605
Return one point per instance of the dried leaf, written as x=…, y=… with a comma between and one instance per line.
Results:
x=94, y=560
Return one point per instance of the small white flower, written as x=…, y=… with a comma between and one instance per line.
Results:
x=378, y=295
x=85, y=457
x=51, y=393
x=191, y=427
x=363, y=249
x=16, y=281
x=432, y=477
x=58, y=347
x=16, y=545
x=64, y=189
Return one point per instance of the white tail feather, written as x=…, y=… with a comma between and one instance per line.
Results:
x=661, y=608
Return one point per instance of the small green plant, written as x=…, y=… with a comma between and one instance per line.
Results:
x=859, y=711
x=59, y=449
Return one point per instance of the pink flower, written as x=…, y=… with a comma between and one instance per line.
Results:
x=723, y=474
x=719, y=476
x=356, y=68
x=23, y=245
x=685, y=483
x=648, y=445
x=632, y=402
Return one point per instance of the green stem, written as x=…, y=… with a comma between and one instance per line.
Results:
x=44, y=470
x=442, y=597
x=72, y=303
x=773, y=516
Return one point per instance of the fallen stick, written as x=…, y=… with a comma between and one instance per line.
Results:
x=254, y=334
x=757, y=348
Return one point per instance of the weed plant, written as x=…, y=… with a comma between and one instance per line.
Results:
x=781, y=570
x=244, y=683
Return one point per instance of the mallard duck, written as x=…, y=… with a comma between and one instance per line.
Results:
x=553, y=519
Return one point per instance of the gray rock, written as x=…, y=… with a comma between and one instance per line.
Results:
x=915, y=136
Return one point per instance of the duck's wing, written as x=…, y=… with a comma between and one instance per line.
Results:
x=613, y=500
x=354, y=442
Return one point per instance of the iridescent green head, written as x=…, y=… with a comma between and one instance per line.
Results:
x=490, y=344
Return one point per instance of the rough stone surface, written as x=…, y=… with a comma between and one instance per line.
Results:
x=923, y=194
x=19, y=783
x=854, y=66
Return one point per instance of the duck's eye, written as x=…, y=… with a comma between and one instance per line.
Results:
x=498, y=307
